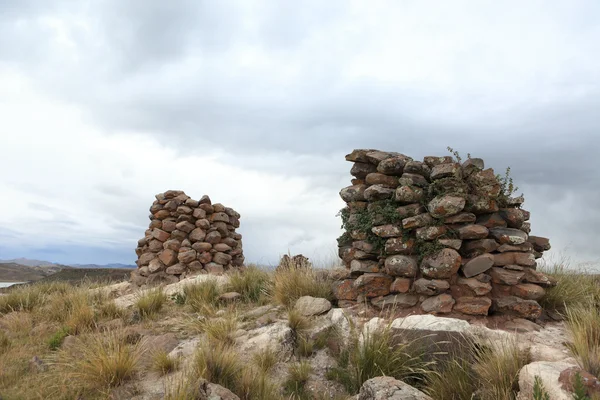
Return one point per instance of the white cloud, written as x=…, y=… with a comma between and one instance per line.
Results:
x=60, y=169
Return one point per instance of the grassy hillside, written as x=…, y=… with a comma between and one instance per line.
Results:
x=89, y=274
x=12, y=272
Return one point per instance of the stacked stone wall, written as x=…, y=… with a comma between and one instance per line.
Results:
x=185, y=237
x=439, y=235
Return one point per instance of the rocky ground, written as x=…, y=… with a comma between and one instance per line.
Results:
x=267, y=327
x=278, y=336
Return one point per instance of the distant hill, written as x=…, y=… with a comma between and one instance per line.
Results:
x=28, y=262
x=112, y=266
x=40, y=263
x=12, y=272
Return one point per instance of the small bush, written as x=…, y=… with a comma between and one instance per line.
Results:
x=497, y=369
x=150, y=302
x=293, y=283
x=217, y=363
x=253, y=284
x=163, y=364
x=584, y=326
x=57, y=339
x=298, y=375
x=98, y=362
x=202, y=296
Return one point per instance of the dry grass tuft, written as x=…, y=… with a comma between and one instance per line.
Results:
x=574, y=288
x=298, y=322
x=24, y=298
x=217, y=363
x=584, y=325
x=497, y=369
x=150, y=302
x=110, y=310
x=81, y=318
x=295, y=384
x=293, y=283
x=221, y=329
x=253, y=284
x=202, y=297
x=17, y=323
x=256, y=385
x=378, y=355
x=265, y=359
x=98, y=362
x=163, y=364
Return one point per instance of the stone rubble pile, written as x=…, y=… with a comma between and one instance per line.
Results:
x=439, y=236
x=185, y=237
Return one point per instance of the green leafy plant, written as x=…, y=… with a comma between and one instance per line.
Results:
x=579, y=389
x=178, y=298
x=456, y=155
x=57, y=339
x=539, y=393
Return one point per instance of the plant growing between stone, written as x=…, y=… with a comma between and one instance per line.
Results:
x=539, y=392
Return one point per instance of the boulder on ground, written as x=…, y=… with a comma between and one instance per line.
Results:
x=309, y=306
x=388, y=388
x=549, y=373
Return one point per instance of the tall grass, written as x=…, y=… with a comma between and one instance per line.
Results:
x=150, y=302
x=253, y=284
x=453, y=379
x=584, y=326
x=574, y=288
x=497, y=368
x=378, y=354
x=24, y=298
x=293, y=283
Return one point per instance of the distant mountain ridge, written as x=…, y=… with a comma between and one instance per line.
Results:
x=115, y=265
x=41, y=263
x=12, y=272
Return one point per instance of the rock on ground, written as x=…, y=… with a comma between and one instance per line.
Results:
x=309, y=306
x=386, y=388
x=278, y=337
x=549, y=372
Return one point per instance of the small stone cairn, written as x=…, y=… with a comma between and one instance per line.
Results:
x=187, y=237
x=437, y=236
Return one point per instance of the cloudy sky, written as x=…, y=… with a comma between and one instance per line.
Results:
x=103, y=104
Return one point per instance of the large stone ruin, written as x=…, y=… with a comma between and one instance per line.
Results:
x=437, y=236
x=185, y=237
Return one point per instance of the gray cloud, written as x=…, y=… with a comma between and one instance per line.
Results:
x=288, y=91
